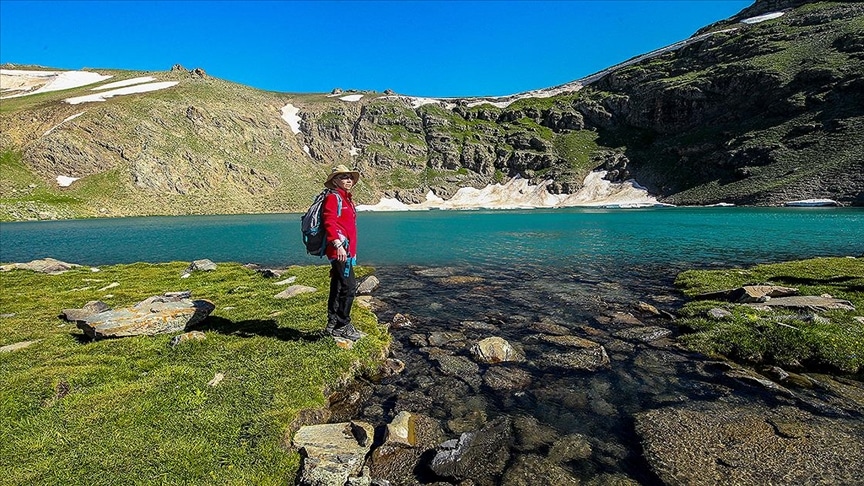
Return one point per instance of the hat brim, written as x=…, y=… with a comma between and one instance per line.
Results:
x=332, y=185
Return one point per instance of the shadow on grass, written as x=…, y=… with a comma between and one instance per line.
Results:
x=254, y=327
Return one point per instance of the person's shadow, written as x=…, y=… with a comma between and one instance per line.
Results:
x=254, y=327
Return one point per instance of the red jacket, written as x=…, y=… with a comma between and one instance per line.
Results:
x=343, y=226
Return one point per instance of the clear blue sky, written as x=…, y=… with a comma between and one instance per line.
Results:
x=420, y=48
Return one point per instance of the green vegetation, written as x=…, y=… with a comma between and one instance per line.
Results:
x=137, y=411
x=781, y=337
x=577, y=147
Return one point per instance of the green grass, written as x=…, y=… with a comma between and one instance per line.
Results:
x=780, y=337
x=136, y=411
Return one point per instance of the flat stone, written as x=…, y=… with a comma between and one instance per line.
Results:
x=808, y=302
x=50, y=266
x=644, y=334
x=16, y=346
x=293, y=291
x=90, y=308
x=569, y=341
x=287, y=281
x=717, y=443
x=149, y=320
x=587, y=359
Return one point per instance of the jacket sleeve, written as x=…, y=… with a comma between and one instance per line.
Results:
x=330, y=215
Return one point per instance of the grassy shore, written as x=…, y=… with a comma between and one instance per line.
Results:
x=138, y=411
x=832, y=341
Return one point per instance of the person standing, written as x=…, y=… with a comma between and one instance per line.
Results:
x=339, y=218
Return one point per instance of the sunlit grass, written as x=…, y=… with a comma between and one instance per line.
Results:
x=780, y=337
x=137, y=411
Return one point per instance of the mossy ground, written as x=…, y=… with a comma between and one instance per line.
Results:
x=785, y=338
x=137, y=411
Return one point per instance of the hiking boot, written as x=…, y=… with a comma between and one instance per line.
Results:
x=347, y=332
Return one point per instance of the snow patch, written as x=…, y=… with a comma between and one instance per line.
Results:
x=64, y=121
x=126, y=82
x=354, y=151
x=141, y=88
x=45, y=81
x=518, y=193
x=306, y=149
x=812, y=203
x=353, y=97
x=290, y=114
x=64, y=181
x=762, y=18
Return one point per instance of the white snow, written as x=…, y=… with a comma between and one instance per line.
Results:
x=762, y=18
x=354, y=151
x=64, y=121
x=125, y=82
x=813, y=203
x=306, y=149
x=45, y=81
x=141, y=88
x=519, y=194
x=64, y=181
x=290, y=114
x=353, y=97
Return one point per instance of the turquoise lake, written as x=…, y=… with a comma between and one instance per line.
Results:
x=573, y=237
x=522, y=276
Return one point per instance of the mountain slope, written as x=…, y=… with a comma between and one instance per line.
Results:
x=761, y=112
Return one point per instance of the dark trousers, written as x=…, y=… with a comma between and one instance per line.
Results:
x=343, y=287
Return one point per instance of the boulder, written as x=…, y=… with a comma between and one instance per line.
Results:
x=368, y=285
x=401, y=430
x=494, y=350
x=397, y=462
x=332, y=453
x=155, y=315
x=201, y=266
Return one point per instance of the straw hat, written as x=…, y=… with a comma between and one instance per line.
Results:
x=339, y=170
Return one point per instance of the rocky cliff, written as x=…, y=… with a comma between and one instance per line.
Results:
x=760, y=109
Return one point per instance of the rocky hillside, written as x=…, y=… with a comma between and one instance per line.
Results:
x=757, y=112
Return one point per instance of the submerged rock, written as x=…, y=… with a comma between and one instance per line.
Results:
x=494, y=350
x=644, y=334
x=724, y=443
x=477, y=455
